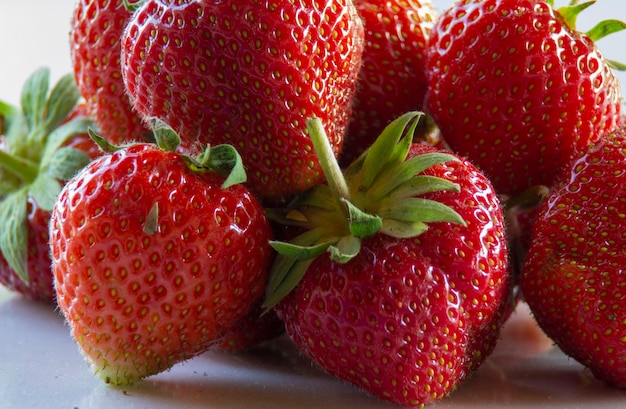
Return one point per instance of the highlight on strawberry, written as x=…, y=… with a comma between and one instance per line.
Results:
x=396, y=279
x=156, y=255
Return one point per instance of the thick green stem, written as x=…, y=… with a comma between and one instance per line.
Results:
x=20, y=167
x=328, y=161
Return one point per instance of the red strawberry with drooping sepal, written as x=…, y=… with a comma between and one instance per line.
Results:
x=392, y=79
x=573, y=278
x=156, y=255
x=95, y=37
x=517, y=90
x=42, y=144
x=399, y=281
x=248, y=75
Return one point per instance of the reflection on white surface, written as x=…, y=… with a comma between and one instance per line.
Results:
x=41, y=367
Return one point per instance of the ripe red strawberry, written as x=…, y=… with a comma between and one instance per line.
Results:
x=156, y=256
x=42, y=144
x=95, y=36
x=392, y=79
x=573, y=278
x=401, y=289
x=247, y=74
x=517, y=90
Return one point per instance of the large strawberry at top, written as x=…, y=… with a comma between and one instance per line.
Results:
x=399, y=282
x=248, y=74
x=156, y=256
x=573, y=278
x=95, y=36
x=516, y=89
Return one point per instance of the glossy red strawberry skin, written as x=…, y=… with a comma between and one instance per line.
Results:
x=392, y=79
x=95, y=35
x=248, y=74
x=408, y=319
x=573, y=278
x=516, y=91
x=139, y=301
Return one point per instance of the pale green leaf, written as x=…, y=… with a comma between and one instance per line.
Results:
x=14, y=232
x=345, y=250
x=34, y=96
x=65, y=163
x=62, y=99
x=421, y=210
x=44, y=190
x=403, y=229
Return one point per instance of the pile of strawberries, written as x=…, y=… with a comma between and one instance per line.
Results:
x=381, y=182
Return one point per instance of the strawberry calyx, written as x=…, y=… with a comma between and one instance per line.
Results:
x=223, y=159
x=33, y=161
x=379, y=193
x=602, y=29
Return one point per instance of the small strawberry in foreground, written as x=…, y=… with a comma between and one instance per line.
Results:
x=247, y=74
x=95, y=42
x=398, y=283
x=42, y=144
x=573, y=278
x=517, y=90
x=156, y=255
x=392, y=79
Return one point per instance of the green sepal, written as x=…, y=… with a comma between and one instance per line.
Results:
x=407, y=171
x=102, y=143
x=62, y=134
x=571, y=12
x=361, y=224
x=295, y=271
x=415, y=209
x=44, y=190
x=14, y=124
x=225, y=160
x=297, y=252
x=61, y=100
x=605, y=28
x=616, y=65
x=34, y=96
x=14, y=231
x=134, y=6
x=165, y=137
x=345, y=249
x=403, y=229
x=417, y=186
x=387, y=146
x=66, y=162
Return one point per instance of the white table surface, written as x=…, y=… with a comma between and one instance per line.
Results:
x=41, y=367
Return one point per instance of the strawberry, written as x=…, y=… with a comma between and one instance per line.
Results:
x=392, y=79
x=399, y=282
x=573, y=278
x=247, y=74
x=517, y=90
x=42, y=144
x=96, y=30
x=156, y=255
